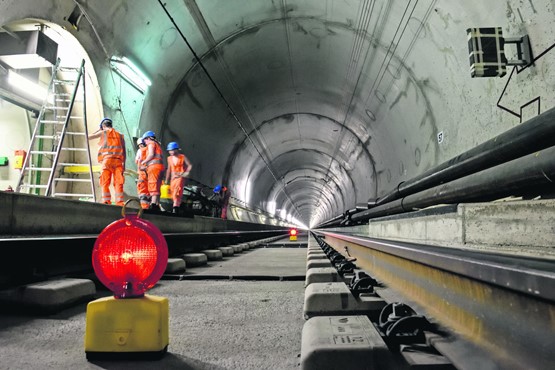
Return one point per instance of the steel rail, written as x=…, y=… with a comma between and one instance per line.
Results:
x=36, y=258
x=503, y=304
x=526, y=275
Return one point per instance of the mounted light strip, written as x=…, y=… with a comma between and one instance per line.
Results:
x=130, y=73
x=26, y=86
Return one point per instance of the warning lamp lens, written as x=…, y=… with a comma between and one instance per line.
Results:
x=130, y=256
x=293, y=232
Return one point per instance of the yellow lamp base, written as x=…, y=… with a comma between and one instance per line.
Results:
x=292, y=238
x=130, y=328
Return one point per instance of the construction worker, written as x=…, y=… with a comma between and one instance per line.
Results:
x=111, y=155
x=216, y=200
x=225, y=196
x=154, y=167
x=142, y=178
x=179, y=167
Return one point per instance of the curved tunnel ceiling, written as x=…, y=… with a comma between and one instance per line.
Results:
x=293, y=78
x=310, y=105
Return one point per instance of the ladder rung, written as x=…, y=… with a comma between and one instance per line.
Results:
x=38, y=169
x=64, y=179
x=75, y=133
x=71, y=117
x=67, y=82
x=62, y=94
x=41, y=152
x=73, y=164
x=68, y=69
x=34, y=186
x=54, y=122
x=75, y=149
x=71, y=195
x=45, y=136
x=54, y=108
x=69, y=100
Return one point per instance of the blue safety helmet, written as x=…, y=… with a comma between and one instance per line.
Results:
x=148, y=134
x=217, y=188
x=172, y=146
x=105, y=119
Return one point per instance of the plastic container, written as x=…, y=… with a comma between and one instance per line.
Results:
x=165, y=192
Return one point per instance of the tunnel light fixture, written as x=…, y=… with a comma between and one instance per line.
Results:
x=27, y=86
x=130, y=73
x=486, y=47
x=272, y=207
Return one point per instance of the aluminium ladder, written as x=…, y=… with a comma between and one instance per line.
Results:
x=54, y=147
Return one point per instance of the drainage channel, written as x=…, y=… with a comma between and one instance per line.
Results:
x=369, y=304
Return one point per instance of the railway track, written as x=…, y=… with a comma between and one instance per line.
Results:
x=36, y=258
x=498, y=311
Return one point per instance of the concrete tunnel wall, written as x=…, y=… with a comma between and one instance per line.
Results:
x=341, y=100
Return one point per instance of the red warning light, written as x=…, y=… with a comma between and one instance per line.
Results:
x=130, y=256
x=293, y=232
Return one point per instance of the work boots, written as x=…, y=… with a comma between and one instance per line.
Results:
x=154, y=207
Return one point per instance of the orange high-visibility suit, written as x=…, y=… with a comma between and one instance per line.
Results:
x=154, y=168
x=142, y=181
x=111, y=154
x=176, y=166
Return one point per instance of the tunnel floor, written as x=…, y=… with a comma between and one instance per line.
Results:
x=214, y=324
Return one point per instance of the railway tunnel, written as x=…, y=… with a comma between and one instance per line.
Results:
x=410, y=139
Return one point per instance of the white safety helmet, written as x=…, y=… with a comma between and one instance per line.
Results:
x=140, y=141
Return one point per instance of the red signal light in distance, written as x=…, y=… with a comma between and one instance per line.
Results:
x=293, y=232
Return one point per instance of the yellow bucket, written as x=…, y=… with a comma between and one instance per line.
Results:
x=165, y=192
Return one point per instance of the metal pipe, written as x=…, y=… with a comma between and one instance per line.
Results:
x=334, y=220
x=535, y=134
x=516, y=177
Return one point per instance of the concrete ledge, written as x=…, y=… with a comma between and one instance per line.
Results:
x=343, y=342
x=318, y=263
x=50, y=295
x=325, y=299
x=195, y=259
x=226, y=251
x=175, y=265
x=16, y=219
x=213, y=254
x=237, y=248
x=500, y=226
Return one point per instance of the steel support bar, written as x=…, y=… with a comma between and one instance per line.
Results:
x=505, y=305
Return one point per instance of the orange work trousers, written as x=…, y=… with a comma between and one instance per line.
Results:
x=112, y=168
x=154, y=173
x=176, y=187
x=142, y=189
